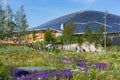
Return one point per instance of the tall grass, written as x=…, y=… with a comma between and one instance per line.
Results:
x=24, y=56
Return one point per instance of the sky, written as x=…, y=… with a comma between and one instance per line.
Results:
x=41, y=11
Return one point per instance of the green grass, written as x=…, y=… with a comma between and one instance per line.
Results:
x=23, y=56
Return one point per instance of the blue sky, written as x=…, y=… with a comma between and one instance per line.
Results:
x=41, y=11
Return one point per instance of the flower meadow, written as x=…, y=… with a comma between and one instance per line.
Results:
x=67, y=65
x=42, y=75
x=65, y=74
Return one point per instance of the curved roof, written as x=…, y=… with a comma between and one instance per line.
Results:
x=83, y=19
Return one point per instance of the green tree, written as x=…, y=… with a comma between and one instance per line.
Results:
x=2, y=17
x=100, y=35
x=21, y=22
x=96, y=37
x=9, y=23
x=34, y=34
x=80, y=39
x=92, y=37
x=88, y=36
x=49, y=37
x=68, y=33
x=59, y=40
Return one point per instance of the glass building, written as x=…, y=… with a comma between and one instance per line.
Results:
x=83, y=19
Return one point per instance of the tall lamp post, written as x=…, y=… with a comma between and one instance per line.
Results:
x=105, y=32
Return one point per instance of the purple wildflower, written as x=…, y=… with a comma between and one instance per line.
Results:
x=81, y=64
x=101, y=66
x=19, y=72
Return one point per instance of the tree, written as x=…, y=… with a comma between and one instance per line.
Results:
x=34, y=34
x=88, y=36
x=6, y=22
x=96, y=37
x=68, y=32
x=2, y=17
x=21, y=22
x=68, y=36
x=100, y=35
x=49, y=37
x=20, y=19
x=80, y=39
x=9, y=23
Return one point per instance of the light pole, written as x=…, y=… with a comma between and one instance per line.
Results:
x=105, y=32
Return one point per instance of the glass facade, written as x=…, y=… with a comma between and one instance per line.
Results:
x=83, y=19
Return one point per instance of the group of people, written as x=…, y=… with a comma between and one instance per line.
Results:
x=34, y=47
x=51, y=47
x=79, y=49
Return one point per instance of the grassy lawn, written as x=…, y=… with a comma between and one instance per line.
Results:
x=84, y=66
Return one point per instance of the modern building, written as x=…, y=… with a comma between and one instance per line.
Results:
x=83, y=19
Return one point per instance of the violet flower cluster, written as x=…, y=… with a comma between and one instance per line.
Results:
x=20, y=74
x=81, y=63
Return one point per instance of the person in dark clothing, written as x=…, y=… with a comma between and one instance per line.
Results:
x=83, y=50
x=31, y=45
